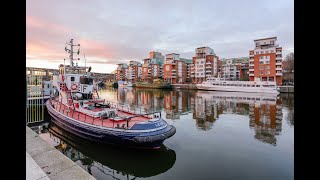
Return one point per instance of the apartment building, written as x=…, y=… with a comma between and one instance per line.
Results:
x=151, y=69
x=231, y=70
x=134, y=71
x=265, y=61
x=174, y=69
x=205, y=63
x=122, y=72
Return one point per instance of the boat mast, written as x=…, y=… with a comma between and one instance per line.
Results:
x=71, y=52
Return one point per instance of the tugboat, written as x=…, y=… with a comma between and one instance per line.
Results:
x=75, y=106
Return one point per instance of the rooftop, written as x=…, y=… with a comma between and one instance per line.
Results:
x=275, y=37
x=173, y=54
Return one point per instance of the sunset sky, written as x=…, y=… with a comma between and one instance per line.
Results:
x=112, y=32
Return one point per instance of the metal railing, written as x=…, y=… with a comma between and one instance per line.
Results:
x=35, y=99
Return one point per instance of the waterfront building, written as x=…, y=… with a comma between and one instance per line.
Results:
x=134, y=71
x=122, y=71
x=174, y=69
x=152, y=67
x=205, y=64
x=230, y=70
x=265, y=61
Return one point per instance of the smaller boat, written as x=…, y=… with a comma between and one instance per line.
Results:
x=129, y=84
x=122, y=83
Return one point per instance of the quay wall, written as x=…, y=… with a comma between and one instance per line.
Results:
x=184, y=86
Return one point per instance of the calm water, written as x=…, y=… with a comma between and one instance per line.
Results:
x=219, y=135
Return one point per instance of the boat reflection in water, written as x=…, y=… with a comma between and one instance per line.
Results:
x=264, y=111
x=104, y=161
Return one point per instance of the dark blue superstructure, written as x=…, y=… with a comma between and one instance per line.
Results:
x=150, y=134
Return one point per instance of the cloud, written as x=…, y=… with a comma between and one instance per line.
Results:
x=112, y=32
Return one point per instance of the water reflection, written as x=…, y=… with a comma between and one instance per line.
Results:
x=288, y=102
x=264, y=110
x=104, y=161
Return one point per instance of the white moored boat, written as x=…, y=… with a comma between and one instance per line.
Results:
x=217, y=84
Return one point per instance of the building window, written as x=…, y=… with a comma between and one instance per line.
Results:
x=272, y=51
x=72, y=78
x=261, y=52
x=267, y=67
x=257, y=43
x=261, y=72
x=267, y=52
x=267, y=62
x=261, y=67
x=257, y=52
x=268, y=72
x=260, y=62
x=272, y=42
x=197, y=62
x=261, y=57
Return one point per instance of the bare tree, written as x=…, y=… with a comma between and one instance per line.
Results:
x=290, y=62
x=288, y=74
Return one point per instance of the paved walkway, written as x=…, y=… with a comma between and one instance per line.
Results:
x=34, y=172
x=46, y=162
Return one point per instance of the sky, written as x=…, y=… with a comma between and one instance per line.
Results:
x=112, y=32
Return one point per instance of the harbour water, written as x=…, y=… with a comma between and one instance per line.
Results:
x=220, y=135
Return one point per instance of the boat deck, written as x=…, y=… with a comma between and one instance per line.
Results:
x=96, y=120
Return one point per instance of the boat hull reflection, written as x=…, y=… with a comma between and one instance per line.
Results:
x=138, y=163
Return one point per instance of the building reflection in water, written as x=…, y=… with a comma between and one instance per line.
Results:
x=264, y=110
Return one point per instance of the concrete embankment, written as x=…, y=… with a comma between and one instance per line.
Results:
x=286, y=89
x=45, y=162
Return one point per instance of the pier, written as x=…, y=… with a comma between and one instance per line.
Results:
x=45, y=162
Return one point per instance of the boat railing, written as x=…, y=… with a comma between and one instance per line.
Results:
x=136, y=112
x=131, y=109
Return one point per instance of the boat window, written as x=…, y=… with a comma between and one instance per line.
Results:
x=72, y=78
x=258, y=85
x=253, y=86
x=248, y=85
x=271, y=86
x=85, y=80
x=224, y=85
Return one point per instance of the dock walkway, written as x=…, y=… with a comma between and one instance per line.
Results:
x=45, y=162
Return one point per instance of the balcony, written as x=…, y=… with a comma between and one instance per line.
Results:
x=278, y=57
x=278, y=52
x=251, y=60
x=251, y=74
x=278, y=74
x=251, y=69
x=173, y=70
x=278, y=63
x=208, y=63
x=279, y=69
x=251, y=55
x=251, y=64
